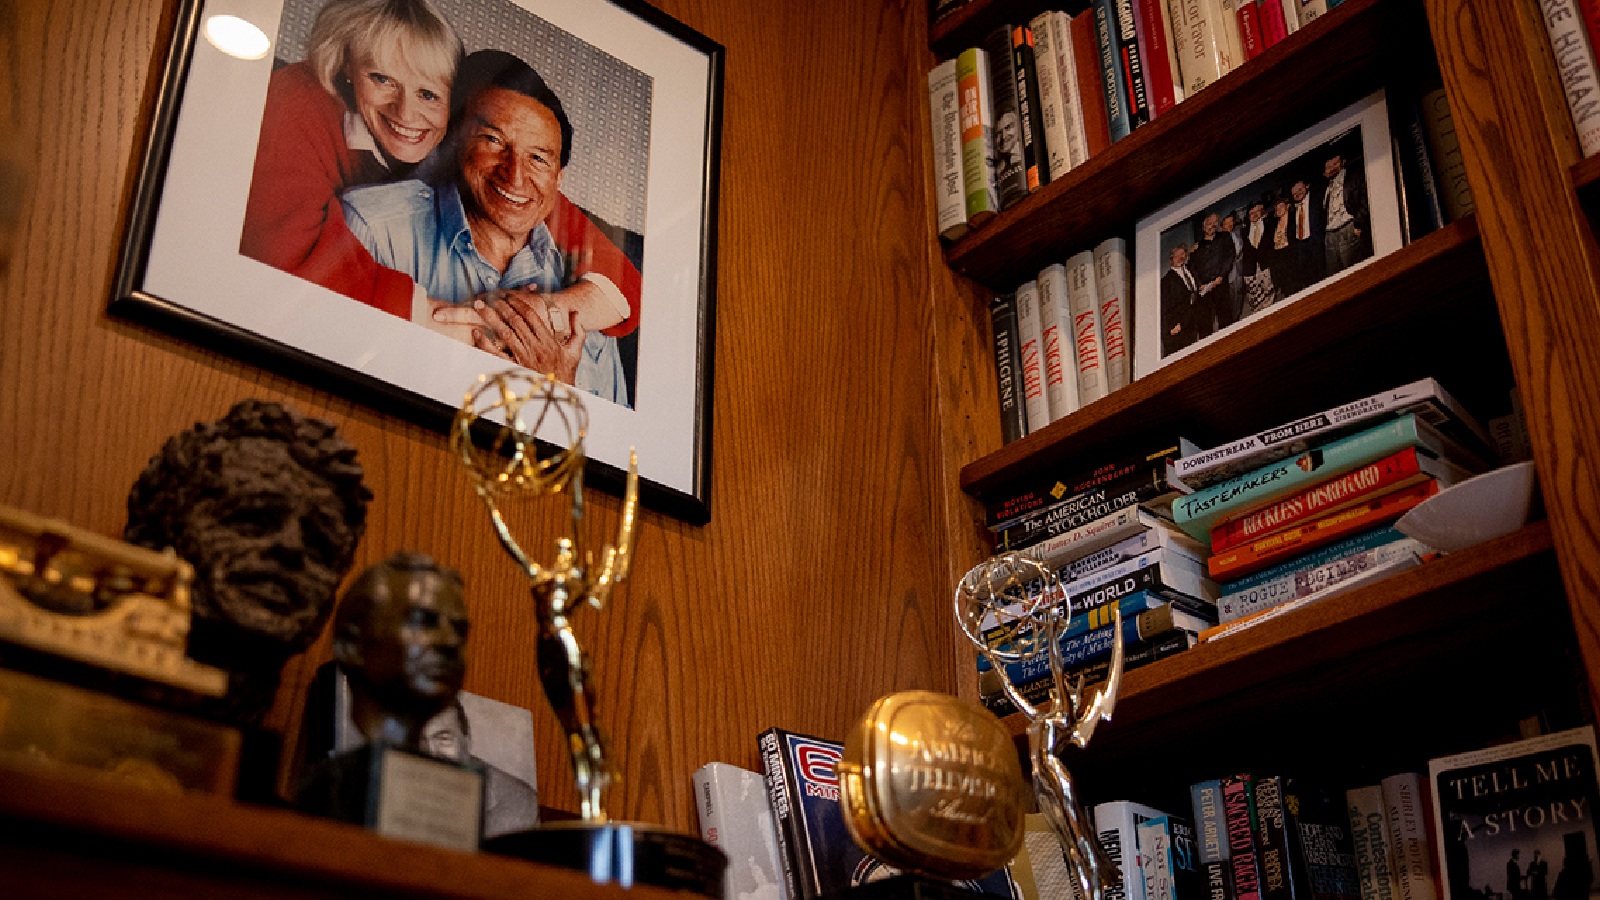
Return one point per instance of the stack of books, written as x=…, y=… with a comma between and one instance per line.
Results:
x=1106, y=535
x=1296, y=512
x=1036, y=99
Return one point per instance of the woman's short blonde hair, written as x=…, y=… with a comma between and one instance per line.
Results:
x=412, y=30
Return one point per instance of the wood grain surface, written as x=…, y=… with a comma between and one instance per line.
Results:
x=1518, y=142
x=821, y=582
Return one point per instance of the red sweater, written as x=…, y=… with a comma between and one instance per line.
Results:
x=293, y=220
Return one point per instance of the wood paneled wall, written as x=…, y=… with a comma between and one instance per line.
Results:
x=822, y=581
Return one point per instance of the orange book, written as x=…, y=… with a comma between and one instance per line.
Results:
x=1249, y=557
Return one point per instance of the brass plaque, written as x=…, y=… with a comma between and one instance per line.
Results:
x=933, y=784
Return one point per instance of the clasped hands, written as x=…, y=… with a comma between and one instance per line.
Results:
x=524, y=325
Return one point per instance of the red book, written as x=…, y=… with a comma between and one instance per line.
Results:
x=1086, y=56
x=1274, y=27
x=1388, y=474
x=1250, y=28
x=1279, y=545
x=1153, y=40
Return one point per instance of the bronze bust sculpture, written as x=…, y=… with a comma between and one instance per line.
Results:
x=400, y=635
x=268, y=507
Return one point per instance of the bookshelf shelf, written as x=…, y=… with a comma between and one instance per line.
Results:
x=68, y=836
x=1448, y=609
x=1333, y=61
x=1364, y=326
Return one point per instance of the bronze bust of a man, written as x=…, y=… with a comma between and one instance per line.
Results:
x=400, y=636
x=268, y=507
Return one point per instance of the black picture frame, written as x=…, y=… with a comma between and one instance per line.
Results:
x=177, y=274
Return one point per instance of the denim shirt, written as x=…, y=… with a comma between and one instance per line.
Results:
x=421, y=230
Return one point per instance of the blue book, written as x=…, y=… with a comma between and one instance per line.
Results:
x=1356, y=543
x=1115, y=83
x=1196, y=512
x=1151, y=615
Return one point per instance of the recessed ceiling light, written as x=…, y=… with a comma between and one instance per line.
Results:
x=236, y=37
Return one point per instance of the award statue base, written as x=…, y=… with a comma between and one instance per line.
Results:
x=399, y=794
x=911, y=887
x=622, y=853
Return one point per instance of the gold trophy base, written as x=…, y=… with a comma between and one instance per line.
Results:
x=623, y=853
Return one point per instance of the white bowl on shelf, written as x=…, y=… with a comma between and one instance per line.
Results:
x=1482, y=507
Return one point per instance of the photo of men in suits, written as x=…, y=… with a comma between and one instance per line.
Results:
x=1303, y=222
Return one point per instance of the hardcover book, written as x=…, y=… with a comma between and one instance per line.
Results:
x=1030, y=345
x=1082, y=509
x=1062, y=486
x=1088, y=343
x=1369, y=839
x=1008, y=367
x=1318, y=573
x=945, y=116
x=1212, y=839
x=1405, y=807
x=1111, y=280
x=1575, y=62
x=1117, y=823
x=1036, y=166
x=1522, y=812
x=1239, y=814
x=1053, y=94
x=1086, y=59
x=1168, y=859
x=1010, y=167
x=1448, y=165
x=977, y=136
x=736, y=818
x=1135, y=656
x=1320, y=849
x=1055, y=324
x=1113, y=80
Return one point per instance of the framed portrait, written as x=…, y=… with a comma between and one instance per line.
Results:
x=390, y=198
x=1271, y=231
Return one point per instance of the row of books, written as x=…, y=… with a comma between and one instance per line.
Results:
x=1194, y=545
x=1035, y=100
x=1063, y=339
x=1483, y=825
x=1574, y=29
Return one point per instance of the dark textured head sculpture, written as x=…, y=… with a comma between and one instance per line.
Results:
x=401, y=635
x=268, y=507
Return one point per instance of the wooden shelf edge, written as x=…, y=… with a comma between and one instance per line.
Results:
x=1158, y=161
x=202, y=831
x=1442, y=250
x=1188, y=678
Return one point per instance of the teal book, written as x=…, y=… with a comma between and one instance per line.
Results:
x=1197, y=512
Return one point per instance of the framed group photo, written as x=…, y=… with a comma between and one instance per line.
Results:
x=1266, y=234
x=390, y=198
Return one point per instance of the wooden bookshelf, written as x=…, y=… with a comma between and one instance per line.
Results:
x=1334, y=61
x=1368, y=327
x=66, y=836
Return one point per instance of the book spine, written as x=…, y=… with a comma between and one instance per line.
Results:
x=1008, y=367
x=1270, y=12
x=1291, y=14
x=1420, y=185
x=1086, y=647
x=1080, y=510
x=1053, y=113
x=1200, y=51
x=1387, y=474
x=1010, y=168
x=1273, y=839
x=1067, y=75
x=1112, y=78
x=1155, y=857
x=1448, y=164
x=1293, y=542
x=1249, y=19
x=1195, y=512
x=1083, y=297
x=1090, y=538
x=1321, y=857
x=1238, y=810
x=1144, y=583
x=1086, y=60
x=1212, y=839
x=1030, y=346
x=977, y=136
x=1093, y=673
x=1060, y=488
x=1055, y=323
x=1111, y=284
x=1225, y=25
x=1575, y=63
x=1036, y=166
x=1311, y=10
x=1130, y=58
x=946, y=120
x=1155, y=50
x=1408, y=836
x=789, y=832
x=736, y=818
x=1118, y=824
x=1146, y=540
